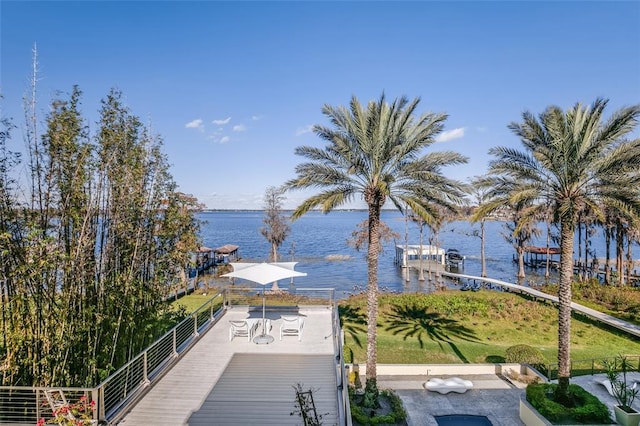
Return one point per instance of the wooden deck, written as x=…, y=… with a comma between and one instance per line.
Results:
x=222, y=382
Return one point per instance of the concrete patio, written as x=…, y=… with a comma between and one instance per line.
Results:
x=493, y=396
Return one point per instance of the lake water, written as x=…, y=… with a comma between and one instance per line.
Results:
x=320, y=246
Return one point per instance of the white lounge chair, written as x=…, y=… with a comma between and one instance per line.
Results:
x=291, y=326
x=454, y=384
x=607, y=385
x=242, y=329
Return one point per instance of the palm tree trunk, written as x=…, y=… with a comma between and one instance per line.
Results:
x=620, y=253
x=607, y=261
x=372, y=296
x=520, y=251
x=421, y=273
x=564, y=309
x=483, y=272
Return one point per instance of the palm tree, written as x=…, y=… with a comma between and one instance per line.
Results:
x=377, y=152
x=482, y=195
x=581, y=161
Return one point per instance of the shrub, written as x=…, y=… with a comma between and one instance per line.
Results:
x=397, y=414
x=524, y=354
x=587, y=408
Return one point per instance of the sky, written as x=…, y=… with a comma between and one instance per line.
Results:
x=234, y=87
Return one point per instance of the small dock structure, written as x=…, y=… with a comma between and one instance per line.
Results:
x=408, y=256
x=227, y=253
x=207, y=259
x=536, y=257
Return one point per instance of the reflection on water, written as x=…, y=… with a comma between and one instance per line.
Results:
x=319, y=243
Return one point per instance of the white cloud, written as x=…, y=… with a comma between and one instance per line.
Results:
x=302, y=130
x=450, y=135
x=239, y=128
x=225, y=139
x=256, y=117
x=195, y=124
x=222, y=122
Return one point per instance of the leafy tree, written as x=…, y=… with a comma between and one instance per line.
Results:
x=577, y=159
x=377, y=152
x=94, y=243
x=275, y=229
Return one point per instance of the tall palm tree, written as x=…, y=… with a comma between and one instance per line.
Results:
x=582, y=161
x=377, y=152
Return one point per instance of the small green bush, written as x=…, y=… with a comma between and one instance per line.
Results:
x=587, y=410
x=397, y=415
x=524, y=354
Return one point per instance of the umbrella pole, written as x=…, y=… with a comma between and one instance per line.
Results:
x=263, y=338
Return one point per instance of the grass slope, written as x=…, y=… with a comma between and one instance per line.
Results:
x=471, y=327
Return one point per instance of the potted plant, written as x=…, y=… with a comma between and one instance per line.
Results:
x=623, y=392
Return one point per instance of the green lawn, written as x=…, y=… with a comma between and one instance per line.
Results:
x=470, y=327
x=193, y=301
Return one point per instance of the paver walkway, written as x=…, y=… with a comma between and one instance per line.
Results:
x=492, y=396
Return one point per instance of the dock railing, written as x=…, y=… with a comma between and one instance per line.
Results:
x=122, y=389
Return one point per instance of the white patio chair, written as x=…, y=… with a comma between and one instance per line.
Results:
x=291, y=326
x=241, y=329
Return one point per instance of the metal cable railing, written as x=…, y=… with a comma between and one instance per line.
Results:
x=585, y=367
x=344, y=409
x=24, y=405
x=122, y=389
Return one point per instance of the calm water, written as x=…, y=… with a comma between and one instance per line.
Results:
x=319, y=244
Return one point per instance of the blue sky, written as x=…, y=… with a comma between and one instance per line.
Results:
x=234, y=87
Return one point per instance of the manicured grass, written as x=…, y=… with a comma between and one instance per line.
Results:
x=193, y=301
x=470, y=327
x=619, y=301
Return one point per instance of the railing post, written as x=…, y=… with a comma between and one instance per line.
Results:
x=195, y=325
x=175, y=343
x=99, y=408
x=38, y=404
x=144, y=369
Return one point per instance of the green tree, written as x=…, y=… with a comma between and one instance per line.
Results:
x=377, y=152
x=577, y=159
x=94, y=243
x=275, y=229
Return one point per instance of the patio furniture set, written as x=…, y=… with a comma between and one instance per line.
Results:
x=291, y=325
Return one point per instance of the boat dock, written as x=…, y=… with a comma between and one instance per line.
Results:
x=207, y=259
